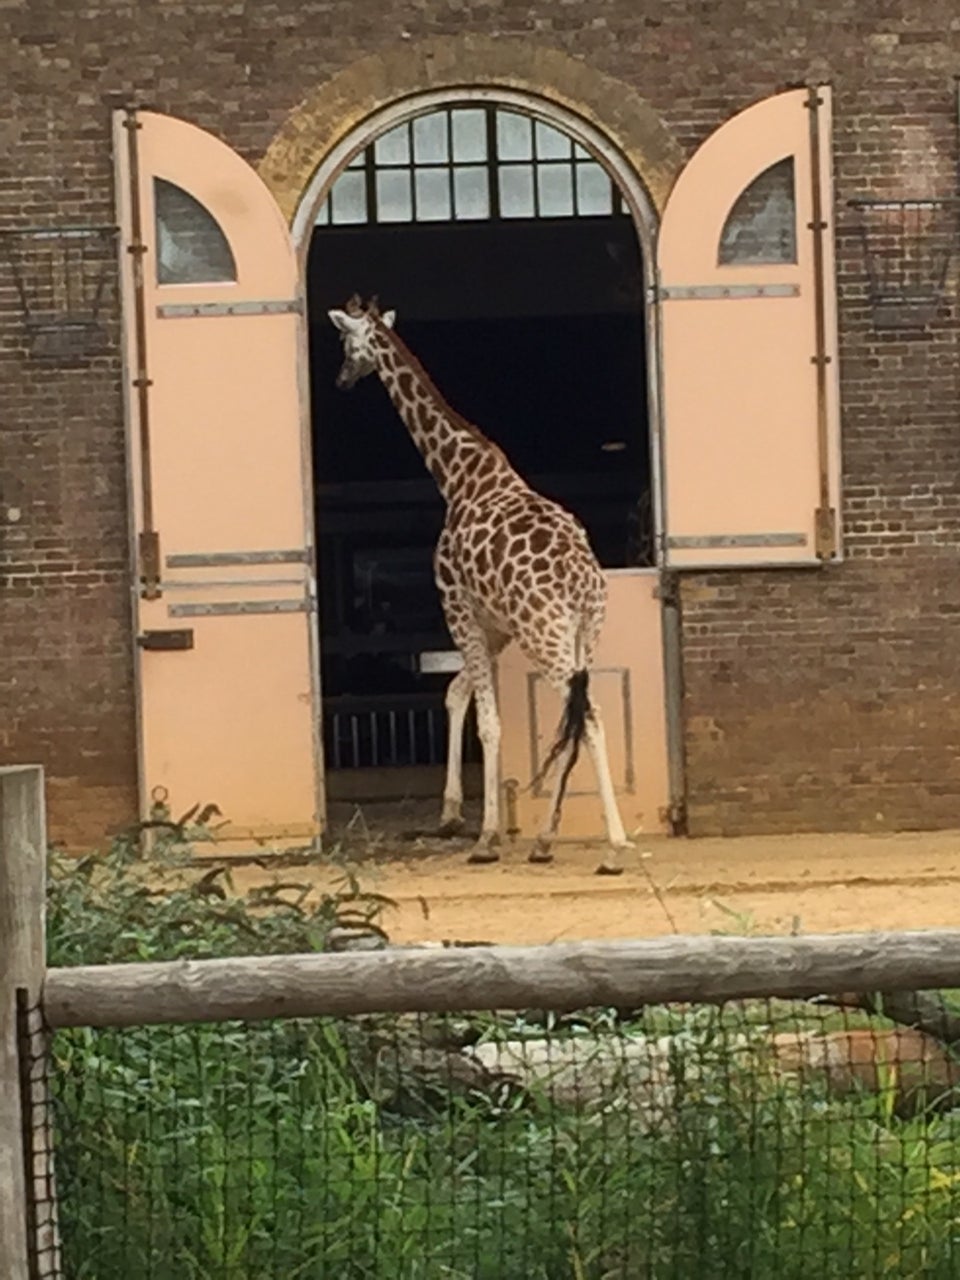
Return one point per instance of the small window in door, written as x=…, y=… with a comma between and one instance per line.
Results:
x=191, y=248
x=761, y=228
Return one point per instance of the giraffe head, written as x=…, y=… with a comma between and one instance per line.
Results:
x=357, y=325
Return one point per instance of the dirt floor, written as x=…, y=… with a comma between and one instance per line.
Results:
x=774, y=884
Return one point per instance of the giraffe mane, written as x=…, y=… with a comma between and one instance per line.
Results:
x=432, y=390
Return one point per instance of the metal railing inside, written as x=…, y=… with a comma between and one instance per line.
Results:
x=390, y=731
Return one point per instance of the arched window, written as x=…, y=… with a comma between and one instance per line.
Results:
x=762, y=225
x=191, y=247
x=470, y=163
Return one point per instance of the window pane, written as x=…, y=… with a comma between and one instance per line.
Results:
x=762, y=225
x=516, y=190
x=349, y=198
x=594, y=190
x=433, y=195
x=469, y=135
x=393, y=147
x=555, y=190
x=551, y=143
x=514, y=136
x=471, y=193
x=430, y=138
x=358, y=161
x=394, y=199
x=581, y=153
x=191, y=248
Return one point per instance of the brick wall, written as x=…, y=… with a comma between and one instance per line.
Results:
x=813, y=699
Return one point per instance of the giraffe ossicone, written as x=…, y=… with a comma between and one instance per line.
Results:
x=510, y=565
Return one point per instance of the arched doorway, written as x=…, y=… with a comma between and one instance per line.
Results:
x=516, y=253
x=227, y=668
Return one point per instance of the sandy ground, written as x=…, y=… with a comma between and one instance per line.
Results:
x=775, y=884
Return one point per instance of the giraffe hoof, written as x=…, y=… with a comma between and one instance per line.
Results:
x=485, y=850
x=451, y=827
x=540, y=853
x=482, y=855
x=608, y=869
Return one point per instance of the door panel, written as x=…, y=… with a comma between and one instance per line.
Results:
x=217, y=476
x=750, y=440
x=627, y=683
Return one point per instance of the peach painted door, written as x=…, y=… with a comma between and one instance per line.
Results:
x=750, y=418
x=627, y=684
x=225, y=590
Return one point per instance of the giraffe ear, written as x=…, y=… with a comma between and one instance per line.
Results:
x=343, y=322
x=388, y=318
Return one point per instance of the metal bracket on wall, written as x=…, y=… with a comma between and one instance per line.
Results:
x=63, y=278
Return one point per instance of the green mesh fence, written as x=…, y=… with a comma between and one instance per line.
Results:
x=760, y=1139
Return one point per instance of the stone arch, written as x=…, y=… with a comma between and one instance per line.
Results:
x=328, y=117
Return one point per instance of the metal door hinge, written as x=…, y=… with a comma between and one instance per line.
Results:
x=239, y=608
x=720, y=292
x=511, y=788
x=825, y=533
x=674, y=815
x=667, y=590
x=149, y=552
x=199, y=310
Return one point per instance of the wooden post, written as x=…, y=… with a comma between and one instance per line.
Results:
x=23, y=851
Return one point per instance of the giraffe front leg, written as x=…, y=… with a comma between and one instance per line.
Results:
x=488, y=726
x=616, y=836
x=459, y=693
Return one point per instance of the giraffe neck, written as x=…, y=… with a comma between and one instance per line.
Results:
x=452, y=448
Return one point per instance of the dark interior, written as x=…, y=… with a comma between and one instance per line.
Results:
x=534, y=331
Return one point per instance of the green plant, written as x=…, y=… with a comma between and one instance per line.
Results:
x=124, y=905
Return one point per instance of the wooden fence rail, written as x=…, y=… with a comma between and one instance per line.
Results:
x=561, y=976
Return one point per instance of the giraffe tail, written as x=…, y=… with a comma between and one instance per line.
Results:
x=570, y=735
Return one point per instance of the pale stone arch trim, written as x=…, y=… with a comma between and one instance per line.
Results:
x=341, y=116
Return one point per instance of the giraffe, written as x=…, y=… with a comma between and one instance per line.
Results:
x=510, y=565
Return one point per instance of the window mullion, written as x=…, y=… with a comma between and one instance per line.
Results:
x=493, y=164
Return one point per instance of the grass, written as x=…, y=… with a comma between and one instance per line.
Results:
x=322, y=1149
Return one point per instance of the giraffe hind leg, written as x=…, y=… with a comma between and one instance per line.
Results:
x=593, y=735
x=616, y=836
x=541, y=846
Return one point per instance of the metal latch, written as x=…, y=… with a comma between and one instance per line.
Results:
x=171, y=638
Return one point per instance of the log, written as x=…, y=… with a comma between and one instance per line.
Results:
x=909, y=1068
x=560, y=977
x=926, y=1011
